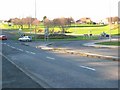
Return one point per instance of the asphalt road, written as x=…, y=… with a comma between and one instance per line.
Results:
x=61, y=70
x=12, y=77
x=78, y=45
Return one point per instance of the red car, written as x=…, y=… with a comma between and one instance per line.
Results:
x=3, y=37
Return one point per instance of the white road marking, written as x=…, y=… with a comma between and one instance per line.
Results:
x=3, y=43
x=15, y=48
x=32, y=53
x=20, y=50
x=50, y=58
x=27, y=51
x=88, y=68
x=8, y=45
x=12, y=47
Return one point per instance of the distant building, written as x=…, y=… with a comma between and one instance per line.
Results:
x=110, y=20
x=85, y=20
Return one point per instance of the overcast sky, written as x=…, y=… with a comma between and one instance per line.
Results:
x=95, y=9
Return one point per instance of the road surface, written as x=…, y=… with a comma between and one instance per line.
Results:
x=56, y=70
x=14, y=78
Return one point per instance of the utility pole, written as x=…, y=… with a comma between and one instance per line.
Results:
x=35, y=18
x=110, y=27
x=75, y=26
x=110, y=21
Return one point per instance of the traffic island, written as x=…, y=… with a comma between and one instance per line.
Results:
x=81, y=53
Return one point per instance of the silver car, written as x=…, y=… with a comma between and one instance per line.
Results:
x=25, y=38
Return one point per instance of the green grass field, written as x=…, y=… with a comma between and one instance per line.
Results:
x=74, y=29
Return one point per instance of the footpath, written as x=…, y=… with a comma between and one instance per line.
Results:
x=82, y=48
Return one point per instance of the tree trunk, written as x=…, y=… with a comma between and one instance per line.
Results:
x=63, y=30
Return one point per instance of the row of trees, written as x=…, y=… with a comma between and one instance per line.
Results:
x=29, y=21
x=113, y=20
x=62, y=23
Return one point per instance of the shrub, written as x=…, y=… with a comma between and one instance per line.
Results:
x=56, y=36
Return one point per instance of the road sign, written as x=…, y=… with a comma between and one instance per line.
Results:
x=46, y=34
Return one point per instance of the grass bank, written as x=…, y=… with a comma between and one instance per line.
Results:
x=113, y=43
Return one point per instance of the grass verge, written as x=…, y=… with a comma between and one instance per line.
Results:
x=113, y=43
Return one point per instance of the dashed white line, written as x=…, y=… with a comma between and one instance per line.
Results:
x=8, y=45
x=50, y=58
x=12, y=47
x=89, y=68
x=15, y=48
x=3, y=43
x=20, y=49
x=27, y=51
x=32, y=53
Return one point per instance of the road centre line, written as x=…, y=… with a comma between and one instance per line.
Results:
x=8, y=45
x=3, y=43
x=32, y=53
x=20, y=49
x=12, y=47
x=50, y=58
x=89, y=68
x=27, y=51
x=15, y=48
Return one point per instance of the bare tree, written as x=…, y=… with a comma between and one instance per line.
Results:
x=116, y=19
x=19, y=22
x=15, y=21
x=63, y=23
x=28, y=21
x=47, y=23
x=113, y=19
x=25, y=21
x=35, y=22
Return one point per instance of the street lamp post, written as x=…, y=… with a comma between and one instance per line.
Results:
x=75, y=28
x=35, y=18
x=110, y=23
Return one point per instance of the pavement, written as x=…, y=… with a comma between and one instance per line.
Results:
x=82, y=48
